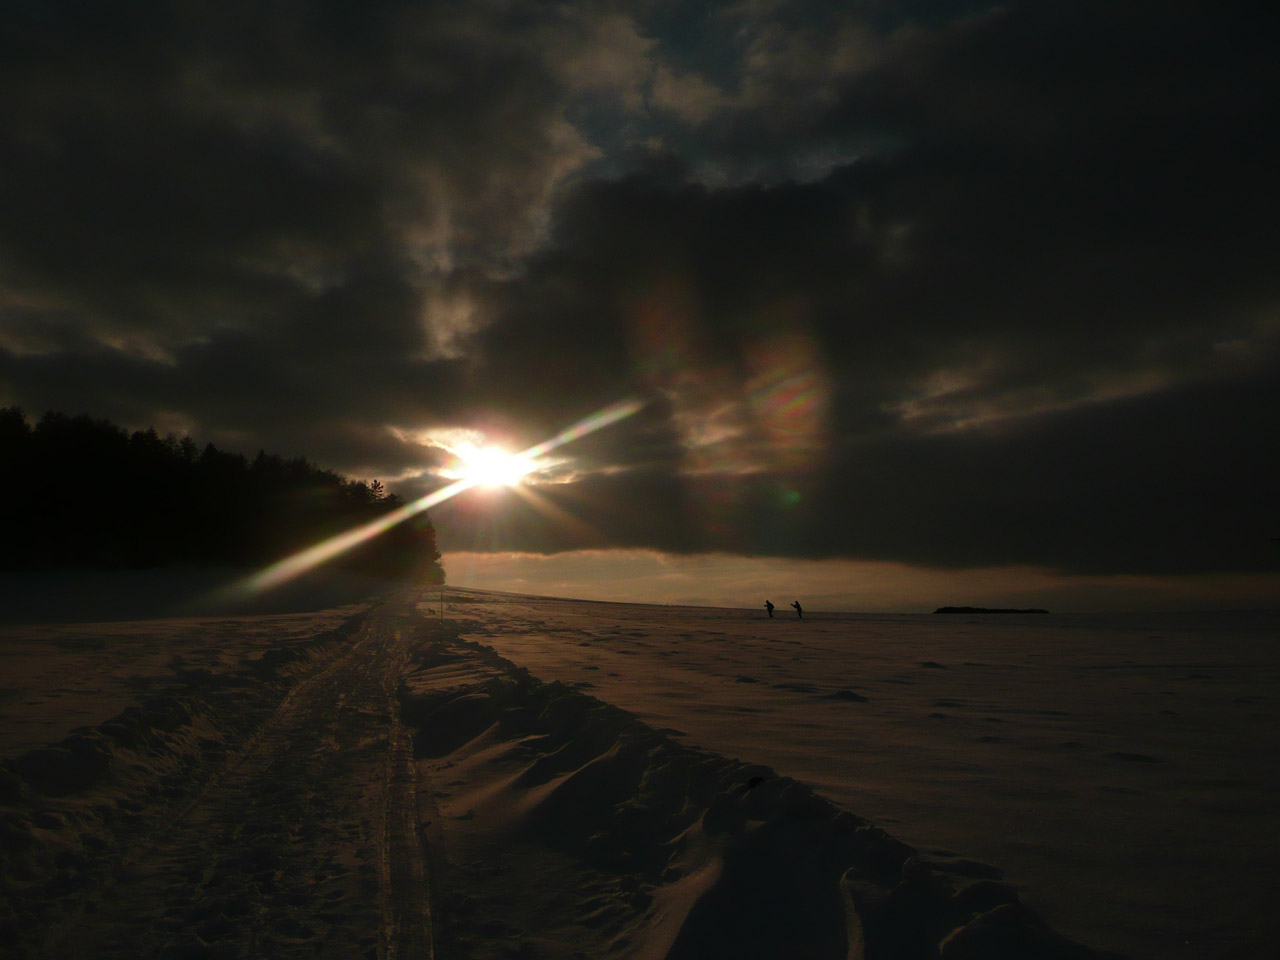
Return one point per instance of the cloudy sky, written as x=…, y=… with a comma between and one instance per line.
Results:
x=924, y=302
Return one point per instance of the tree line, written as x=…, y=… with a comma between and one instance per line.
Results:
x=80, y=492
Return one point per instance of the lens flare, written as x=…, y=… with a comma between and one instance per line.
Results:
x=605, y=417
x=505, y=468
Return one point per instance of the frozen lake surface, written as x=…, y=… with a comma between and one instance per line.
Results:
x=1119, y=769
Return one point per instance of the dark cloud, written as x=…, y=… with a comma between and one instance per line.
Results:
x=248, y=216
x=1176, y=483
x=947, y=283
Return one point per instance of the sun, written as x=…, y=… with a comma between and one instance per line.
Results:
x=494, y=467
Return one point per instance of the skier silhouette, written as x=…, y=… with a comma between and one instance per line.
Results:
x=768, y=605
x=799, y=611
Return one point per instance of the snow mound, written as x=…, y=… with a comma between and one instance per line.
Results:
x=564, y=821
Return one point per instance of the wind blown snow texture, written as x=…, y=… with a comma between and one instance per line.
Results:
x=549, y=778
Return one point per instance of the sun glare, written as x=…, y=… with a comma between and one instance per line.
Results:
x=487, y=466
x=491, y=467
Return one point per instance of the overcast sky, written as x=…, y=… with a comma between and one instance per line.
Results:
x=930, y=289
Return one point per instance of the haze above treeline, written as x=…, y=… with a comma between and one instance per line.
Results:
x=77, y=492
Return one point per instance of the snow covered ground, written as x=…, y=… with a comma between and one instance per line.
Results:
x=1119, y=770
x=367, y=779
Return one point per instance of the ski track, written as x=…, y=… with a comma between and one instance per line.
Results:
x=305, y=843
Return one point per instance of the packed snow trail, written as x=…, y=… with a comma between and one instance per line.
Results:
x=304, y=842
x=274, y=798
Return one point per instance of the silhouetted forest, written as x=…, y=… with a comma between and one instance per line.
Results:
x=79, y=492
